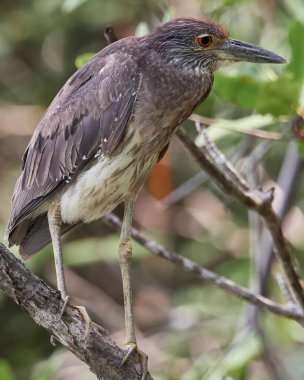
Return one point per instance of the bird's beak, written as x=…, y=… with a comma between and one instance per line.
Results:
x=234, y=50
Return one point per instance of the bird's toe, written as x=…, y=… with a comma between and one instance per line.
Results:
x=66, y=300
x=142, y=358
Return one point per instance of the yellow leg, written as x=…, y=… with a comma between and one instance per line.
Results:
x=125, y=256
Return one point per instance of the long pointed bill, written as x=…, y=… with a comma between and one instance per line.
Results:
x=234, y=50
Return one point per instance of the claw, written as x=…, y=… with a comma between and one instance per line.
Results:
x=83, y=311
x=66, y=300
x=53, y=340
x=142, y=358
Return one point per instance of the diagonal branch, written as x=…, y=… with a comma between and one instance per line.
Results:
x=287, y=181
x=255, y=200
x=289, y=311
x=90, y=344
x=93, y=346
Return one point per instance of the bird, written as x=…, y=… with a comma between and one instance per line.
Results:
x=106, y=129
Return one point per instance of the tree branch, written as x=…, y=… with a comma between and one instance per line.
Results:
x=289, y=311
x=287, y=181
x=90, y=344
x=94, y=346
x=230, y=181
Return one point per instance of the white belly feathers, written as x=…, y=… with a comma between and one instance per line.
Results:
x=97, y=191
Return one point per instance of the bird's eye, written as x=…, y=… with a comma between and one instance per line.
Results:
x=204, y=41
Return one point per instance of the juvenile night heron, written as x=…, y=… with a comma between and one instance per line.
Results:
x=106, y=129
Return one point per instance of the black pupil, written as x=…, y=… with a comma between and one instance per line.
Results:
x=206, y=40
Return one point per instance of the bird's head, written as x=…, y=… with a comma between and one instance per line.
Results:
x=203, y=44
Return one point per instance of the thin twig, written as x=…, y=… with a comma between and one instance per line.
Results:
x=288, y=177
x=256, y=156
x=210, y=149
x=255, y=229
x=184, y=189
x=201, y=177
x=252, y=199
x=265, y=135
x=157, y=249
x=284, y=288
x=258, y=201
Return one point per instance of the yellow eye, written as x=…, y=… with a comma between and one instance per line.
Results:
x=204, y=41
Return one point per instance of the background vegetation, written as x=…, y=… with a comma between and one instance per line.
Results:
x=190, y=330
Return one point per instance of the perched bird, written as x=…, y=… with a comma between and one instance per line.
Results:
x=106, y=129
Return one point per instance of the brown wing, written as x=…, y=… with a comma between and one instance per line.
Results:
x=89, y=114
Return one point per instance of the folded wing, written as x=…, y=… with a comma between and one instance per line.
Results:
x=89, y=115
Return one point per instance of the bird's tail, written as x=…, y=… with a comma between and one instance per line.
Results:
x=33, y=235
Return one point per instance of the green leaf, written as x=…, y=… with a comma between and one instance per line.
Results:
x=279, y=97
x=222, y=128
x=82, y=59
x=301, y=148
x=296, y=38
x=236, y=360
x=6, y=372
x=242, y=90
x=300, y=141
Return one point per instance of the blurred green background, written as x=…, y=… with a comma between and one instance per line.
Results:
x=189, y=329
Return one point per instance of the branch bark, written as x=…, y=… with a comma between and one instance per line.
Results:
x=258, y=201
x=90, y=343
x=288, y=177
x=289, y=311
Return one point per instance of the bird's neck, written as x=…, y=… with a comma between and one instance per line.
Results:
x=169, y=94
x=175, y=85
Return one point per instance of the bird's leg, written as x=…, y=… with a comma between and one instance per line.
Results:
x=55, y=221
x=125, y=255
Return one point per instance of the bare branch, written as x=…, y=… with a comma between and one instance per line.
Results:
x=201, y=177
x=256, y=200
x=266, y=135
x=157, y=249
x=210, y=149
x=43, y=304
x=287, y=181
x=184, y=189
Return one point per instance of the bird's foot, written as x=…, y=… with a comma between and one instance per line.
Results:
x=88, y=321
x=66, y=300
x=82, y=310
x=142, y=358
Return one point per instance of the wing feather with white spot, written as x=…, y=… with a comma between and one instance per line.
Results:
x=89, y=114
